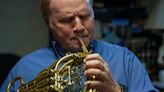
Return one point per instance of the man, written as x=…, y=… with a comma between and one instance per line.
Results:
x=113, y=67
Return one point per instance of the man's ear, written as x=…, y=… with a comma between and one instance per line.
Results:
x=50, y=23
x=90, y=2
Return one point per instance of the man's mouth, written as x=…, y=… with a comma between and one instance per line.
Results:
x=81, y=36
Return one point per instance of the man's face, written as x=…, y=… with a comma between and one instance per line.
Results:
x=69, y=19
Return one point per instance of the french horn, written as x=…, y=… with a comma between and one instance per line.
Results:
x=62, y=76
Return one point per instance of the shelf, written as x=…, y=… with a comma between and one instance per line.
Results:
x=106, y=14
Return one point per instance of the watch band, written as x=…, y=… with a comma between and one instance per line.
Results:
x=123, y=88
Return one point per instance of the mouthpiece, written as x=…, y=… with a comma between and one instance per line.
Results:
x=84, y=48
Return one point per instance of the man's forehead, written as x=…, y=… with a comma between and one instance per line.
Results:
x=69, y=8
x=62, y=5
x=89, y=1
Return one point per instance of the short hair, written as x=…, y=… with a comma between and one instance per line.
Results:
x=44, y=4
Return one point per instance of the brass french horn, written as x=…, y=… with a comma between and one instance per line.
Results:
x=62, y=76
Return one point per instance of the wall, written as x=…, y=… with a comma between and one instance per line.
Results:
x=22, y=28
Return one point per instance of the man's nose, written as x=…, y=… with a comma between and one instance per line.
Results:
x=78, y=25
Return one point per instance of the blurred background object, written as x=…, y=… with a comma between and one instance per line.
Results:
x=138, y=25
x=7, y=60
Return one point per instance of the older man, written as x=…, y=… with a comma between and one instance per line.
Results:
x=112, y=66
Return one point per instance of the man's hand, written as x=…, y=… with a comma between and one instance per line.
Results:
x=99, y=73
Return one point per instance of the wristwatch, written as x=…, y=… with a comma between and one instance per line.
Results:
x=123, y=88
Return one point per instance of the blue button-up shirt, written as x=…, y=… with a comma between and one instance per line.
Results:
x=126, y=69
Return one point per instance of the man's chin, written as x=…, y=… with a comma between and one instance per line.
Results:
x=73, y=50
